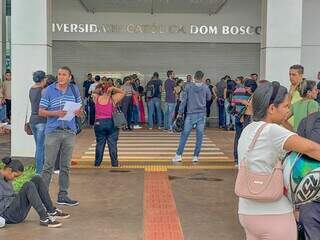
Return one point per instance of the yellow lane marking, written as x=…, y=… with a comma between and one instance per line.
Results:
x=168, y=167
x=155, y=161
x=161, y=152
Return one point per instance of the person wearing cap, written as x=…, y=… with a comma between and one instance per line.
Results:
x=37, y=123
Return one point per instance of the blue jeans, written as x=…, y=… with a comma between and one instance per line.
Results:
x=39, y=136
x=135, y=114
x=164, y=108
x=106, y=132
x=239, y=128
x=230, y=119
x=154, y=106
x=222, y=112
x=3, y=112
x=170, y=114
x=199, y=120
x=310, y=220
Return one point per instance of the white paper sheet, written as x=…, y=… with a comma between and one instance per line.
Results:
x=70, y=107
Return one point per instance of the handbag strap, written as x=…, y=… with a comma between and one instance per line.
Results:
x=74, y=92
x=254, y=141
x=116, y=107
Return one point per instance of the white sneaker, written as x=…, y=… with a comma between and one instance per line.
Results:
x=56, y=171
x=137, y=127
x=2, y=222
x=195, y=159
x=177, y=158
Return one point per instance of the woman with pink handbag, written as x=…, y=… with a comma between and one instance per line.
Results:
x=264, y=211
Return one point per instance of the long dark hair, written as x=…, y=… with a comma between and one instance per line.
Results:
x=14, y=165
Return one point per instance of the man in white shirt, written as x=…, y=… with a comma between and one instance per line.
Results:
x=93, y=85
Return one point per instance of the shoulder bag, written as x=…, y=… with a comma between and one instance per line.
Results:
x=259, y=186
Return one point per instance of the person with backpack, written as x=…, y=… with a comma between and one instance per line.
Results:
x=228, y=93
x=60, y=134
x=195, y=97
x=153, y=95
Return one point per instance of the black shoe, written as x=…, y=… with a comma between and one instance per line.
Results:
x=58, y=214
x=67, y=201
x=50, y=222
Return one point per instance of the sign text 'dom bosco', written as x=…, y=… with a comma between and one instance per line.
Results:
x=156, y=29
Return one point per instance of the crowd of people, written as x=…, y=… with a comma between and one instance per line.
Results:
x=259, y=111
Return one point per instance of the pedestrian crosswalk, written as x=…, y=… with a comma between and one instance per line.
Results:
x=151, y=150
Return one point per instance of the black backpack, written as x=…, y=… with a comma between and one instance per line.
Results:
x=309, y=127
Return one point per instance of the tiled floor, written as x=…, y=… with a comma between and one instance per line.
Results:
x=148, y=197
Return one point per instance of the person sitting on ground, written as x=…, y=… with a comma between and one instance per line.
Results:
x=14, y=208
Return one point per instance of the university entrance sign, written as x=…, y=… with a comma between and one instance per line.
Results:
x=191, y=29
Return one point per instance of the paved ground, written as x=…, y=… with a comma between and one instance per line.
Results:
x=194, y=204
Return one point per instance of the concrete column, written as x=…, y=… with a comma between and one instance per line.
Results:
x=281, y=38
x=31, y=51
x=2, y=37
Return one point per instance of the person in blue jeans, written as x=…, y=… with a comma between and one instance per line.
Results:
x=195, y=97
x=169, y=86
x=37, y=123
x=3, y=109
x=153, y=95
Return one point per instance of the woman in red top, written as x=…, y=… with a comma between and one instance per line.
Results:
x=105, y=97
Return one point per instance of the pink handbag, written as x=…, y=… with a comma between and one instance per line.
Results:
x=259, y=186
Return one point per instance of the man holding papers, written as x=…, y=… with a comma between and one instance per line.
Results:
x=60, y=104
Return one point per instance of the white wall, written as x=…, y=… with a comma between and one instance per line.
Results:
x=31, y=49
x=235, y=12
x=310, y=58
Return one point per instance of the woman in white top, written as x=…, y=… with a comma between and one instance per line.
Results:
x=270, y=220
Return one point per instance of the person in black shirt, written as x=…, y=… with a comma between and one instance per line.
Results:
x=209, y=103
x=86, y=85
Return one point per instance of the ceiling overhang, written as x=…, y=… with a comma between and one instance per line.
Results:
x=154, y=6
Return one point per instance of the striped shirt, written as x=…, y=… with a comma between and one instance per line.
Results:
x=54, y=99
x=239, y=95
